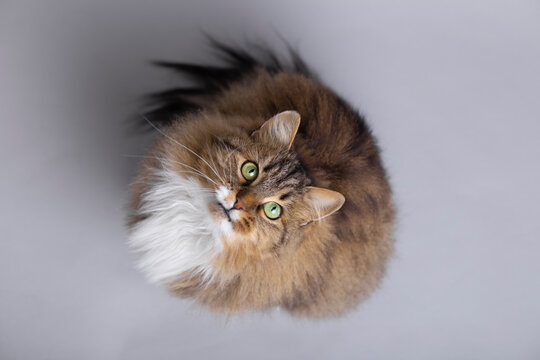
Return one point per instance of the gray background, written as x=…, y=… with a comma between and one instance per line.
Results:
x=451, y=89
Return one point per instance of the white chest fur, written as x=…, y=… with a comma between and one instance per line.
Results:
x=178, y=233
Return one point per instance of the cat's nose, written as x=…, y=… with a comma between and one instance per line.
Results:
x=239, y=204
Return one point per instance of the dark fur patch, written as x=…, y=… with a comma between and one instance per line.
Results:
x=285, y=196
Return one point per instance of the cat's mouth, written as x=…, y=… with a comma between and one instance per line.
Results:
x=225, y=211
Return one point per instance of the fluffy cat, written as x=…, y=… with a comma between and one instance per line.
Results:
x=263, y=189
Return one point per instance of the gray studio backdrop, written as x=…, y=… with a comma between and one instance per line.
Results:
x=451, y=89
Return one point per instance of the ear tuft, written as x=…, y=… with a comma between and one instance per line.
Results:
x=322, y=203
x=280, y=129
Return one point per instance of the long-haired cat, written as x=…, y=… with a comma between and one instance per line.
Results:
x=263, y=189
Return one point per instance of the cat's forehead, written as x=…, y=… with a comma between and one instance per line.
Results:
x=282, y=171
x=279, y=169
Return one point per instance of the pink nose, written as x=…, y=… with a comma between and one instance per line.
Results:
x=239, y=204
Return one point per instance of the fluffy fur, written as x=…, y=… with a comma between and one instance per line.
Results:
x=200, y=227
x=177, y=233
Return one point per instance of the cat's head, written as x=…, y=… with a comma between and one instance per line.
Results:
x=238, y=186
x=264, y=194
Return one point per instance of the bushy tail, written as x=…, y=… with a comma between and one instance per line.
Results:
x=164, y=106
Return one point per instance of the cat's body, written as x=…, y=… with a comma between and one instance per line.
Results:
x=208, y=236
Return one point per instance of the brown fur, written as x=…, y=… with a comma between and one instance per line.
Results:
x=322, y=268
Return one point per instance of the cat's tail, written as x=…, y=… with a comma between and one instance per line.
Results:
x=164, y=106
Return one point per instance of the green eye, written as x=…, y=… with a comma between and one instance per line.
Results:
x=249, y=170
x=272, y=210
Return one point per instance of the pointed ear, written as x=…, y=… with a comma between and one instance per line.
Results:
x=280, y=129
x=322, y=203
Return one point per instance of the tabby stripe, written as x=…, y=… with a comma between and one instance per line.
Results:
x=228, y=144
x=284, y=196
x=272, y=165
x=293, y=171
x=283, y=238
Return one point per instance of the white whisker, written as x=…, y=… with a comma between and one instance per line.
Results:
x=182, y=145
x=163, y=160
x=212, y=160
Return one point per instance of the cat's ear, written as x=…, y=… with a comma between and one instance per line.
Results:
x=321, y=203
x=280, y=129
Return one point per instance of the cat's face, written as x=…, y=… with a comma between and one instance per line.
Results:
x=261, y=189
x=261, y=198
x=233, y=187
